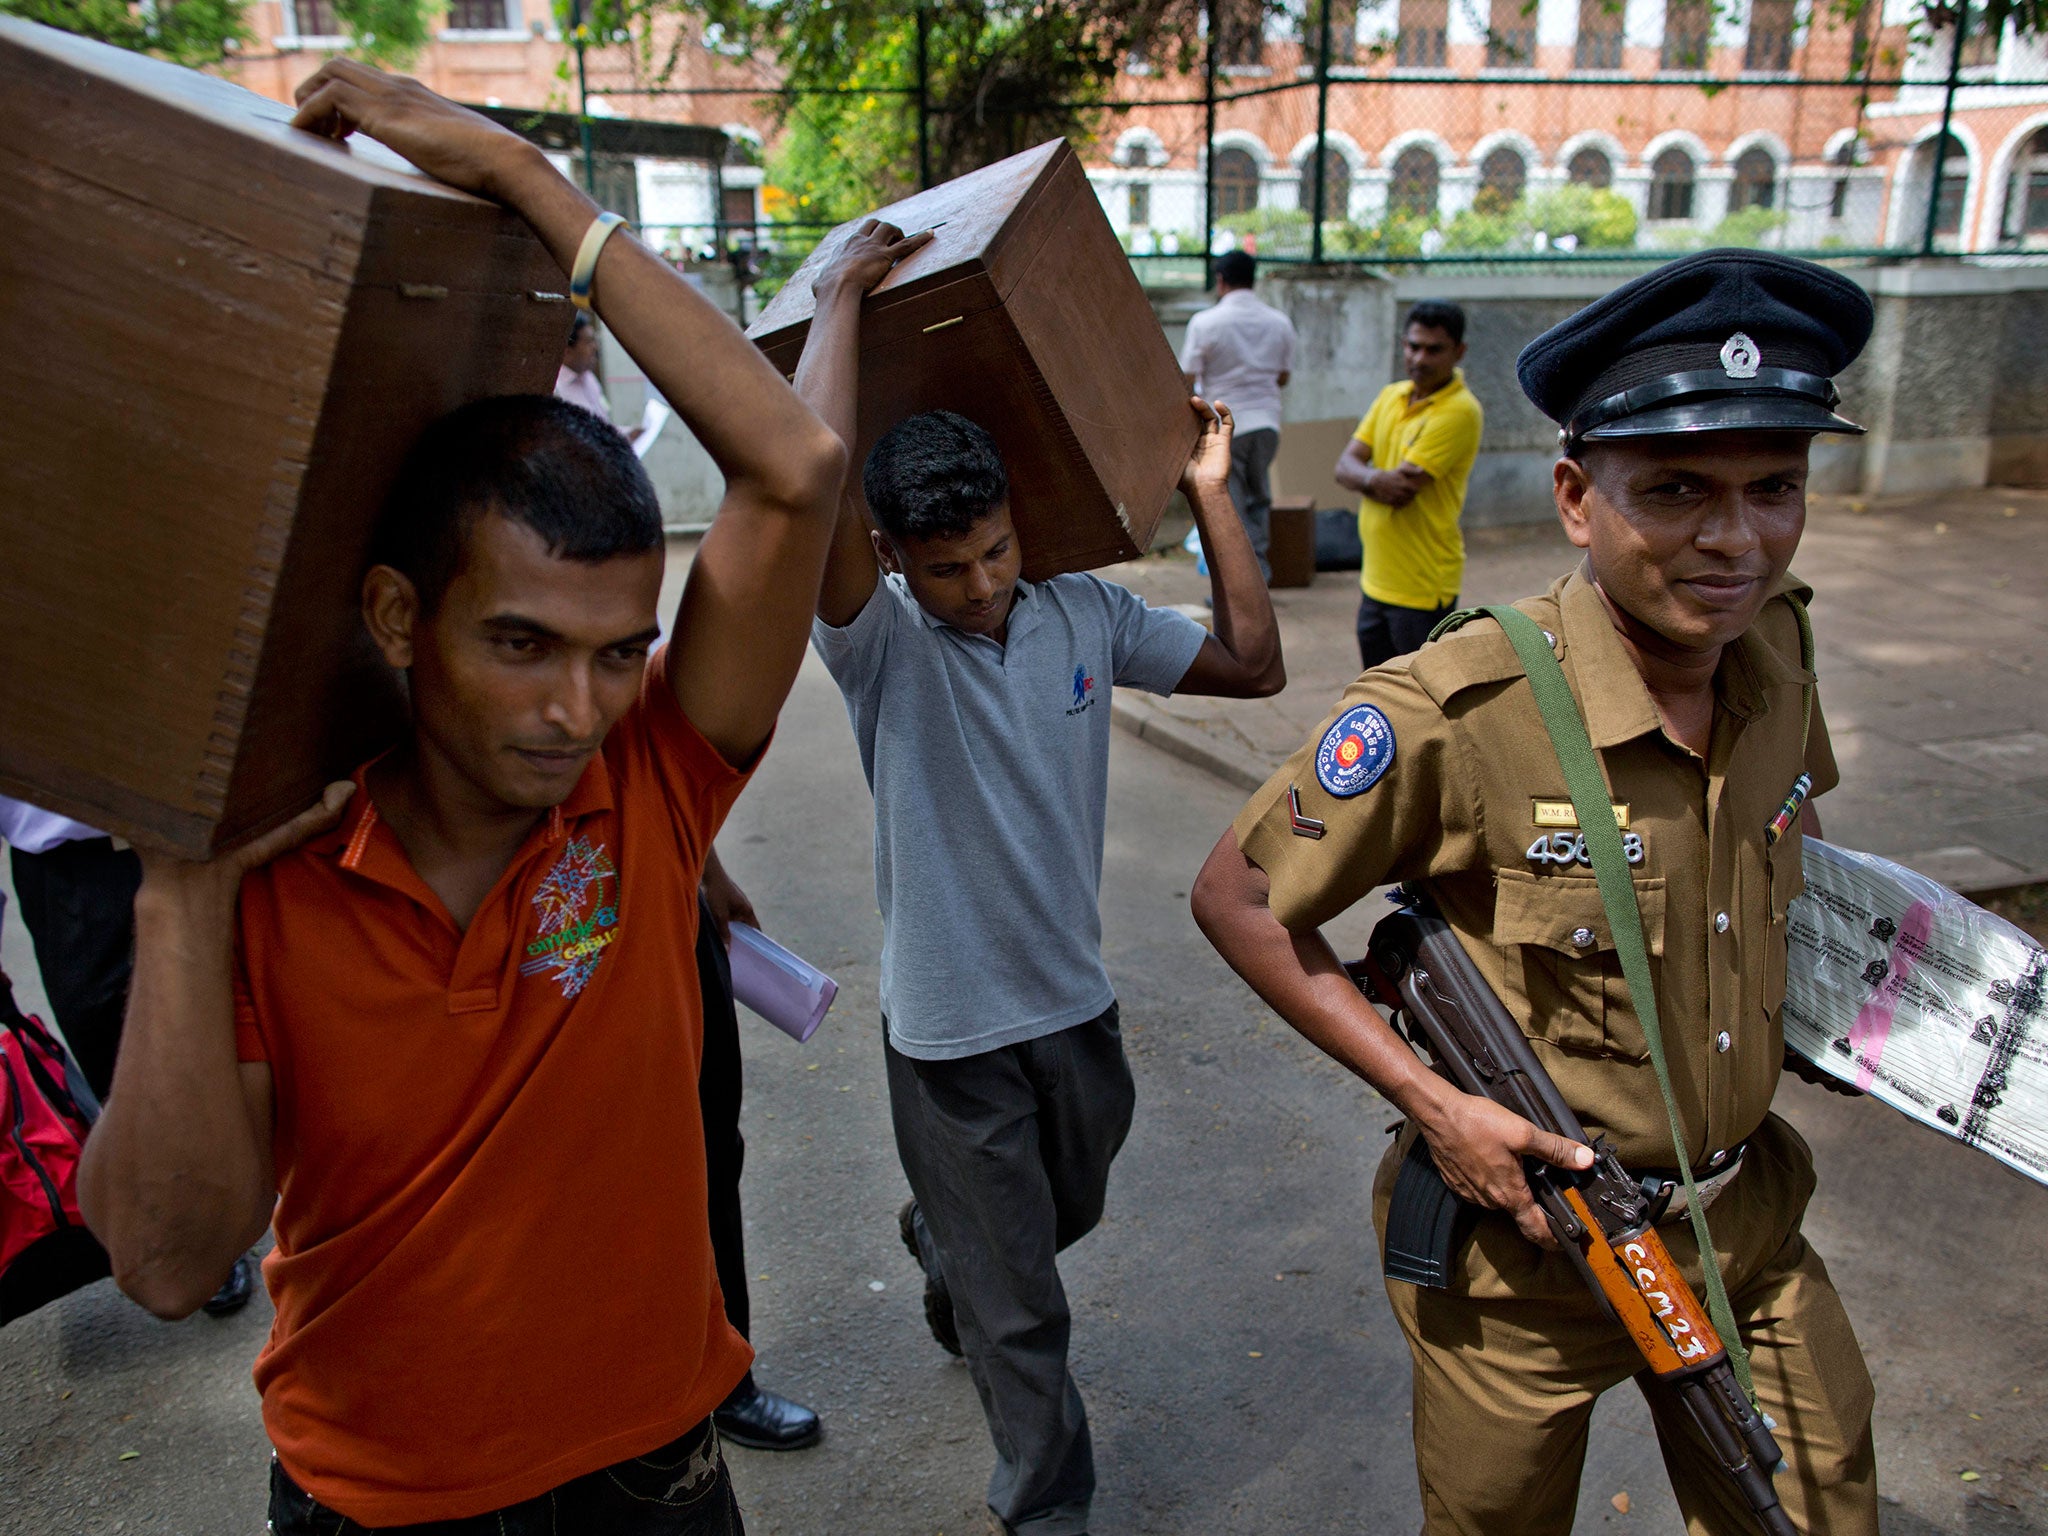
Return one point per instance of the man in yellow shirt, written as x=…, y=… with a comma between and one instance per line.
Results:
x=1410, y=461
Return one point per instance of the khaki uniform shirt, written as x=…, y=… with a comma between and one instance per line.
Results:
x=1474, y=783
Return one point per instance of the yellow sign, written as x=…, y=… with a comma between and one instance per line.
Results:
x=1559, y=813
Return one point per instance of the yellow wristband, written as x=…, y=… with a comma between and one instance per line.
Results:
x=594, y=238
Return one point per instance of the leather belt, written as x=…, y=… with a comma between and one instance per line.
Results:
x=1666, y=1190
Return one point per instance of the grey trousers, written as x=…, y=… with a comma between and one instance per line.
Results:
x=1251, y=491
x=1008, y=1154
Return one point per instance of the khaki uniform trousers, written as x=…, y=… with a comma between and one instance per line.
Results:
x=1506, y=1376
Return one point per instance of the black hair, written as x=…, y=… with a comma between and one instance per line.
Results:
x=1237, y=268
x=563, y=472
x=579, y=322
x=933, y=476
x=1438, y=314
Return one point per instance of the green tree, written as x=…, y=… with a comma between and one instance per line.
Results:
x=199, y=32
x=1001, y=76
x=187, y=32
x=1598, y=218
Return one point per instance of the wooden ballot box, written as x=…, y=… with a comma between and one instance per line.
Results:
x=1023, y=315
x=218, y=337
x=1291, y=548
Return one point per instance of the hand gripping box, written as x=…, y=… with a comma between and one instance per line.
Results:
x=218, y=337
x=1023, y=315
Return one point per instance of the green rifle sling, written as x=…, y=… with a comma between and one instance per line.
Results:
x=1597, y=824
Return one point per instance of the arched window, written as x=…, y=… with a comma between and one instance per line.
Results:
x=1412, y=188
x=1336, y=186
x=1591, y=168
x=1845, y=160
x=1955, y=183
x=1237, y=182
x=2026, y=201
x=1756, y=181
x=1502, y=175
x=1671, y=179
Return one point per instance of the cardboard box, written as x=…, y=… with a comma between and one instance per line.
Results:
x=1023, y=315
x=218, y=337
x=1291, y=549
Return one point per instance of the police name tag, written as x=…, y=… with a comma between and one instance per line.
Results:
x=1562, y=813
x=1355, y=752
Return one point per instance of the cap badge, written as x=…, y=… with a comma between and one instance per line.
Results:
x=1740, y=357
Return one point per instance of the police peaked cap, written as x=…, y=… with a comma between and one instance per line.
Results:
x=1723, y=341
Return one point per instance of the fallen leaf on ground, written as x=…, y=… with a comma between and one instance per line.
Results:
x=128, y=1455
x=1620, y=1502
x=1969, y=1477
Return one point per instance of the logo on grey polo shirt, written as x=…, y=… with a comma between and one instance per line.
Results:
x=1084, y=691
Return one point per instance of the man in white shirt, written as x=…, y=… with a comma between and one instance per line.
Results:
x=577, y=382
x=1240, y=351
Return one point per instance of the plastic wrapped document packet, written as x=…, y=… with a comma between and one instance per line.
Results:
x=1924, y=1000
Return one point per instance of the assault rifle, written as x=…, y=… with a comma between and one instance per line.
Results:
x=1603, y=1217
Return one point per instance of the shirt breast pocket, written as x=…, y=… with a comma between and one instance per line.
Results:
x=1784, y=878
x=1560, y=972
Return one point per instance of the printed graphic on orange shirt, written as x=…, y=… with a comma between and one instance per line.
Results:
x=578, y=910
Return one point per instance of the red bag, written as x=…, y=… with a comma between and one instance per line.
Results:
x=46, y=1110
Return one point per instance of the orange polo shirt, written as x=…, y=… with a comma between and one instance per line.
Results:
x=493, y=1269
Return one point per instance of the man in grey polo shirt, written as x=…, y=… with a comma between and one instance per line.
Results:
x=981, y=706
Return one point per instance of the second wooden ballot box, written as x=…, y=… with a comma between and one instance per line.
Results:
x=220, y=335
x=1023, y=315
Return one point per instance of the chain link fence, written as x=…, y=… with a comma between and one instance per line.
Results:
x=1504, y=132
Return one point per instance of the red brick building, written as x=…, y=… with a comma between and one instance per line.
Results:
x=1688, y=112
x=511, y=53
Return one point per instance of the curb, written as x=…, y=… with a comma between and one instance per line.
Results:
x=1149, y=723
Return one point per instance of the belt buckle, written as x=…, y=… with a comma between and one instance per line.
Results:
x=1709, y=1190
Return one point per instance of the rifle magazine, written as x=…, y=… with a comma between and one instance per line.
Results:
x=1426, y=1223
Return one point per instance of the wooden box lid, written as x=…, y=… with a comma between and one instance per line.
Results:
x=236, y=332
x=1023, y=314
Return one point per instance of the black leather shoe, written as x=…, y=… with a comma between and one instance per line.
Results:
x=234, y=1292
x=763, y=1421
x=938, y=1301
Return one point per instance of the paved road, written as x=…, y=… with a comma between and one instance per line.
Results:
x=1232, y=1338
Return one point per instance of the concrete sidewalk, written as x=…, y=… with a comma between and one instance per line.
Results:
x=1931, y=625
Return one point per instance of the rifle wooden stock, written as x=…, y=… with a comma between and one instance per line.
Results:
x=1641, y=1285
x=1604, y=1219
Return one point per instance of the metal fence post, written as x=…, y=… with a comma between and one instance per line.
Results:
x=1209, y=152
x=1948, y=107
x=582, y=99
x=924, y=98
x=1315, y=238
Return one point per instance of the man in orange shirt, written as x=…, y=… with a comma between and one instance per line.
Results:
x=449, y=1046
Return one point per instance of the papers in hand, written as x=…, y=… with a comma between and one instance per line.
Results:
x=785, y=989
x=652, y=420
x=1922, y=999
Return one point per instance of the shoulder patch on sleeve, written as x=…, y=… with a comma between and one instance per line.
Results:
x=1355, y=752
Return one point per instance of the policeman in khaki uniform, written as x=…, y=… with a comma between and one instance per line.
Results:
x=1687, y=401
